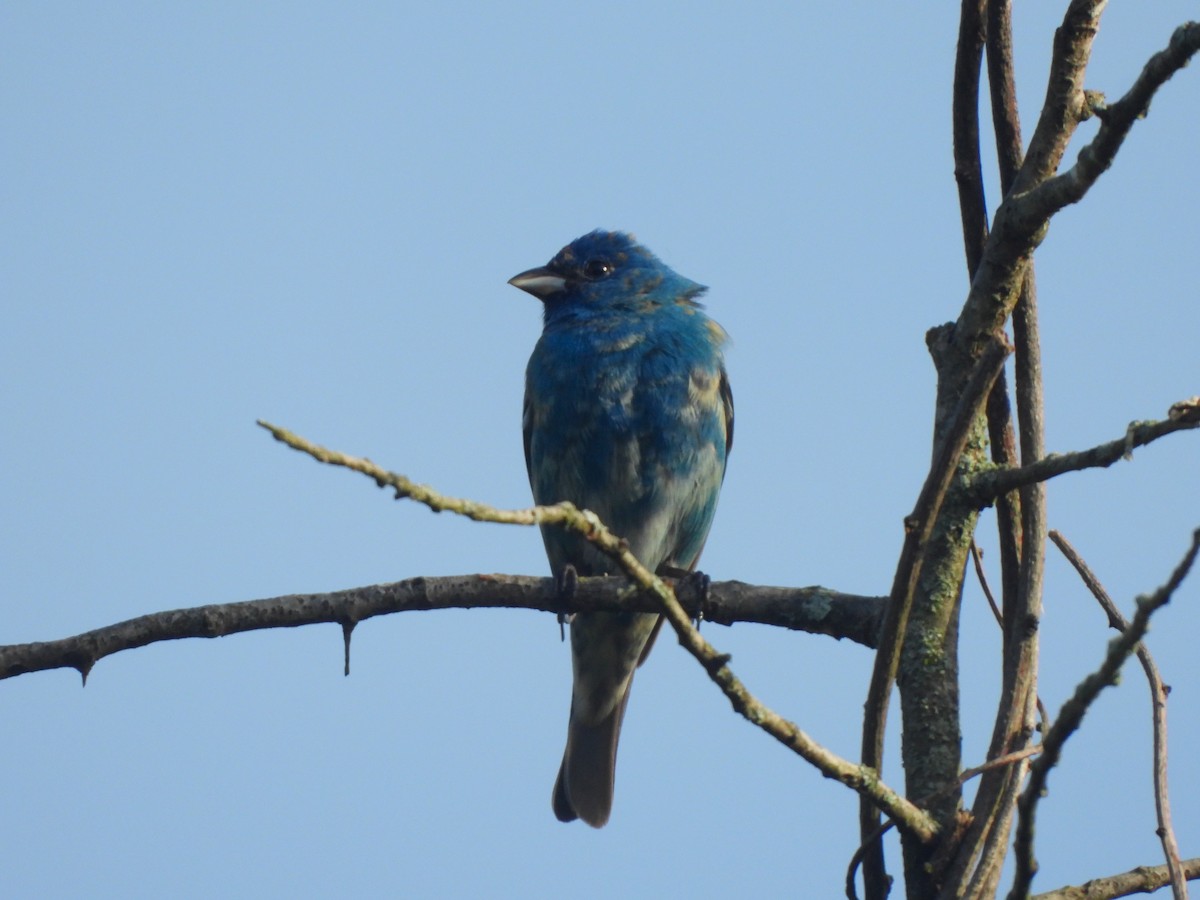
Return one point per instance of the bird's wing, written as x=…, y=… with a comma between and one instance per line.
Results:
x=727, y=403
x=527, y=432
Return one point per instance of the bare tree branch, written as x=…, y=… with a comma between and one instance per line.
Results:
x=1018, y=696
x=1158, y=709
x=1116, y=121
x=1006, y=123
x=1072, y=712
x=1020, y=222
x=1002, y=441
x=977, y=559
x=814, y=609
x=863, y=779
x=1142, y=880
x=981, y=577
x=1002, y=91
x=968, y=170
x=996, y=482
x=1064, y=106
x=1003, y=281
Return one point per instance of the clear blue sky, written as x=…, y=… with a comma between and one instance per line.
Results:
x=219, y=212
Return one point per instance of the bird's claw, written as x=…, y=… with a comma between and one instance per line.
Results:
x=696, y=583
x=702, y=585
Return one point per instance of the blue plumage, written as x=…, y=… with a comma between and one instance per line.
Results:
x=628, y=413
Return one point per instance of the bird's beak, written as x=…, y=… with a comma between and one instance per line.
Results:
x=540, y=282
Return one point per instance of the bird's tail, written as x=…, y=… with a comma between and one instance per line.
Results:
x=584, y=788
x=606, y=650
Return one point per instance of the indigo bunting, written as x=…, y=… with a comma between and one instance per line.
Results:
x=627, y=413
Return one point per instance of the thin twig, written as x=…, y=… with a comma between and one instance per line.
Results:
x=1019, y=674
x=1002, y=440
x=863, y=779
x=1002, y=90
x=1142, y=880
x=1072, y=712
x=990, y=835
x=1158, y=711
x=1182, y=416
x=1006, y=124
x=977, y=558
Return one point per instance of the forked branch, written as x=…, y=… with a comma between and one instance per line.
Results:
x=989, y=485
x=1158, y=708
x=1071, y=715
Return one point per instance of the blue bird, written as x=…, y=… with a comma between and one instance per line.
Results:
x=627, y=413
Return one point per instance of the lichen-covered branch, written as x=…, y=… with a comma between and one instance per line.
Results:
x=988, y=485
x=863, y=779
x=919, y=528
x=1142, y=880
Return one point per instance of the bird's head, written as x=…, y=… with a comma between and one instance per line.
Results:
x=603, y=271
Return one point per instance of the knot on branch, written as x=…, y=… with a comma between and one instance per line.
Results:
x=1094, y=104
x=939, y=340
x=1186, y=411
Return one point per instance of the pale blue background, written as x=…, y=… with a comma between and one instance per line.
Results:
x=219, y=212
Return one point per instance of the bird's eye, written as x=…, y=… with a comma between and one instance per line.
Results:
x=597, y=268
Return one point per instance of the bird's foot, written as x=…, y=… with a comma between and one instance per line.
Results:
x=702, y=585
x=694, y=584
x=566, y=584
